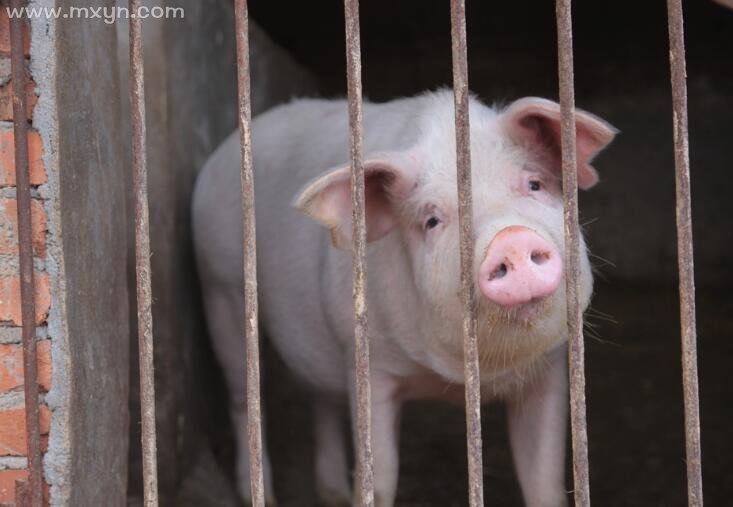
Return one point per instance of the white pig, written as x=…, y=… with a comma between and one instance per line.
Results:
x=305, y=285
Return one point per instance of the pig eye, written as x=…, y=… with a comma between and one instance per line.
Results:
x=534, y=185
x=432, y=223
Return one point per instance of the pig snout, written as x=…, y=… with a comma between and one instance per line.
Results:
x=519, y=267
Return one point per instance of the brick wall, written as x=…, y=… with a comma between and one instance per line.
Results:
x=12, y=413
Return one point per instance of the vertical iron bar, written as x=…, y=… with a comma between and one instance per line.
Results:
x=465, y=218
x=685, y=252
x=142, y=259
x=576, y=352
x=254, y=429
x=34, y=492
x=364, y=479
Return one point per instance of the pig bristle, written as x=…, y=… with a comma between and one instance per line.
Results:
x=505, y=335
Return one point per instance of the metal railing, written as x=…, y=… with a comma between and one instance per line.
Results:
x=576, y=354
x=465, y=226
x=364, y=476
x=685, y=264
x=364, y=464
x=254, y=419
x=142, y=260
x=32, y=492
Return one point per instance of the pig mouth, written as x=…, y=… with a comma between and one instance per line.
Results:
x=526, y=315
x=531, y=311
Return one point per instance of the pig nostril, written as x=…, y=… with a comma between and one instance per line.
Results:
x=539, y=257
x=499, y=272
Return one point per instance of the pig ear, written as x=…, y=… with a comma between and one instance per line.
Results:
x=535, y=122
x=328, y=199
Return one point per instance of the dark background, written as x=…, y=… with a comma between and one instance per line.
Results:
x=633, y=365
x=634, y=392
x=621, y=74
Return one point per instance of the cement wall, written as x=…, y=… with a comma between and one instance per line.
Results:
x=93, y=288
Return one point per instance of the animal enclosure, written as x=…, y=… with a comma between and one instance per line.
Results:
x=644, y=439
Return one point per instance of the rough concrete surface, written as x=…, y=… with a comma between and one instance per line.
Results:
x=57, y=459
x=92, y=214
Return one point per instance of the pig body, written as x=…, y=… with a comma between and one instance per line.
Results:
x=415, y=320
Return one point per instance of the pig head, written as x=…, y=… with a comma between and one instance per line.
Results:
x=518, y=219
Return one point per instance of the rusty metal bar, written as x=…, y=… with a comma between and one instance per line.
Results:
x=465, y=220
x=364, y=464
x=576, y=352
x=251, y=331
x=142, y=259
x=685, y=252
x=34, y=491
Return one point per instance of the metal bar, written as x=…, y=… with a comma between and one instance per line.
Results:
x=34, y=491
x=254, y=427
x=576, y=353
x=365, y=473
x=685, y=253
x=142, y=259
x=465, y=221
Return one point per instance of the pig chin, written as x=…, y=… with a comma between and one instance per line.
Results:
x=512, y=337
x=526, y=315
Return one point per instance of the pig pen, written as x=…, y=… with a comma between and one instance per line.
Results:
x=635, y=421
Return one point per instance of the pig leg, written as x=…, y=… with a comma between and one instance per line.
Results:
x=386, y=409
x=332, y=469
x=537, y=428
x=225, y=321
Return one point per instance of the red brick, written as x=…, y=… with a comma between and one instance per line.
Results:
x=10, y=310
x=7, y=158
x=9, y=227
x=6, y=99
x=8, y=487
x=11, y=366
x=12, y=430
x=7, y=484
x=5, y=34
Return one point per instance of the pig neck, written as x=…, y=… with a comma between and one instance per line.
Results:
x=432, y=338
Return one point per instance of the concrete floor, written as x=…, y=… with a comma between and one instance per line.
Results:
x=634, y=416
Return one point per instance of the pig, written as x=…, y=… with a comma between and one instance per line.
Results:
x=301, y=157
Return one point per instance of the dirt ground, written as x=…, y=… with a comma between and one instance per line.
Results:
x=634, y=417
